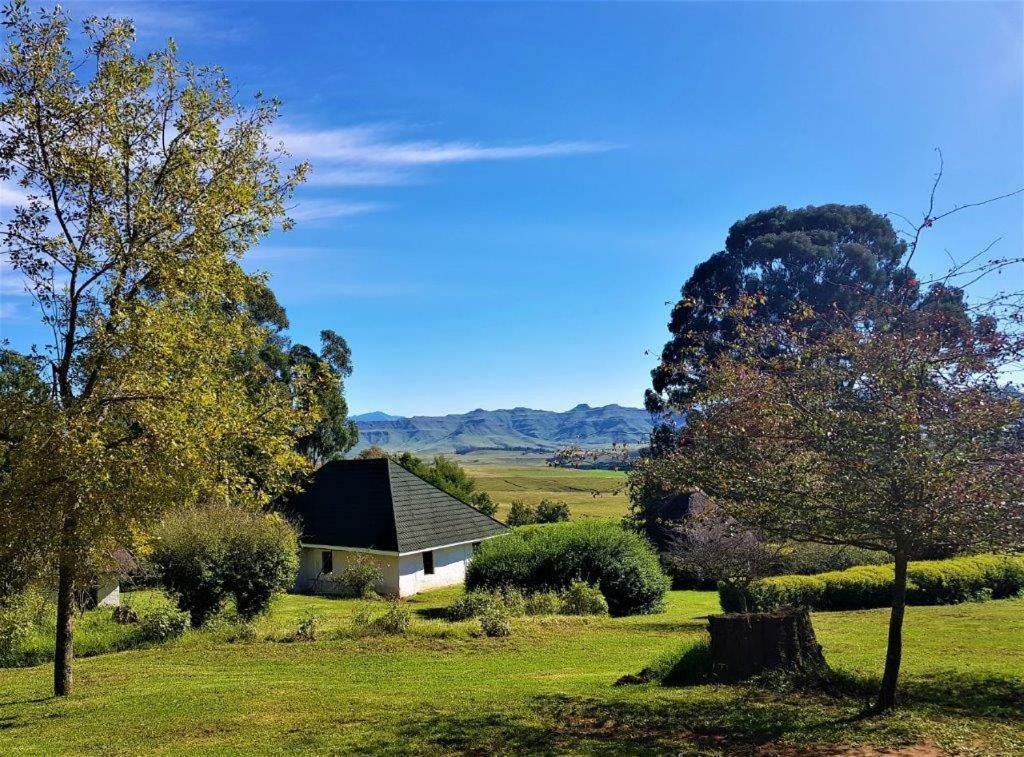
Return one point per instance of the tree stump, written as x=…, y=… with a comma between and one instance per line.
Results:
x=745, y=644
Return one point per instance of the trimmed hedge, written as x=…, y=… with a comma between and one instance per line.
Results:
x=932, y=582
x=551, y=557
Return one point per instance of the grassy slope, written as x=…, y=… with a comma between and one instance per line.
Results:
x=589, y=493
x=548, y=688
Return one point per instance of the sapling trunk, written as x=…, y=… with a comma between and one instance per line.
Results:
x=64, y=651
x=894, y=650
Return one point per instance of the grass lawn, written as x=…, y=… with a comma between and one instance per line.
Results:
x=546, y=689
x=589, y=493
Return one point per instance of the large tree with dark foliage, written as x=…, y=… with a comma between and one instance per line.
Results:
x=830, y=257
x=334, y=434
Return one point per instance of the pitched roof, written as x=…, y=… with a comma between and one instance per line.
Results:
x=377, y=504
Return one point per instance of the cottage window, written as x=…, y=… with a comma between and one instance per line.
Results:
x=428, y=563
x=327, y=561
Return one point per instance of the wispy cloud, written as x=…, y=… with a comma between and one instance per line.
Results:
x=374, y=145
x=321, y=209
x=370, y=156
x=182, y=20
x=11, y=194
x=352, y=176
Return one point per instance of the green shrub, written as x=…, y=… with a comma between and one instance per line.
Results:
x=521, y=514
x=356, y=579
x=204, y=555
x=551, y=557
x=473, y=604
x=583, y=599
x=19, y=616
x=163, y=624
x=494, y=623
x=124, y=614
x=395, y=620
x=552, y=511
x=805, y=559
x=547, y=511
x=544, y=603
x=309, y=627
x=931, y=582
x=469, y=605
x=261, y=560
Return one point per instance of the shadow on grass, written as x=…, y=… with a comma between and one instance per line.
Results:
x=731, y=719
x=991, y=696
x=652, y=725
x=432, y=613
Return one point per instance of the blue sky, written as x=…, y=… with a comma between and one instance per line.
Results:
x=505, y=198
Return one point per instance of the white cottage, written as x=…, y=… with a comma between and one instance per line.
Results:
x=375, y=510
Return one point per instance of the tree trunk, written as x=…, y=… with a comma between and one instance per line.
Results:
x=894, y=651
x=745, y=644
x=64, y=652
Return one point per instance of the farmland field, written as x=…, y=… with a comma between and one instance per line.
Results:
x=589, y=493
x=546, y=689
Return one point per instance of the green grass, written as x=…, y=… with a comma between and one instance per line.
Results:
x=546, y=689
x=589, y=493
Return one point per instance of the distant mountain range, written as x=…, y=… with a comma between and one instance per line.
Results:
x=520, y=429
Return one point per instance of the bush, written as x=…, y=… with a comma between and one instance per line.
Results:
x=482, y=501
x=309, y=627
x=203, y=555
x=806, y=559
x=521, y=514
x=551, y=511
x=18, y=618
x=163, y=624
x=356, y=579
x=394, y=621
x=261, y=560
x=583, y=599
x=473, y=604
x=124, y=615
x=544, y=603
x=548, y=511
x=551, y=557
x=495, y=624
x=932, y=582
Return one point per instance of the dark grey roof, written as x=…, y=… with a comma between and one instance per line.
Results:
x=378, y=504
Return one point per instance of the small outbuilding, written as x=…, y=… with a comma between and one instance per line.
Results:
x=376, y=511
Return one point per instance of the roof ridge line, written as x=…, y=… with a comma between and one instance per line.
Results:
x=388, y=462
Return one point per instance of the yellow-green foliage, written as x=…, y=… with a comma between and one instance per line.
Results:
x=931, y=582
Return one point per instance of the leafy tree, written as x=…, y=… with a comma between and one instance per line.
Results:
x=146, y=182
x=546, y=511
x=897, y=439
x=832, y=259
x=372, y=453
x=290, y=364
x=521, y=514
x=552, y=511
x=449, y=476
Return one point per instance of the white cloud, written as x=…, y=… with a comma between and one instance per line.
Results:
x=312, y=210
x=11, y=194
x=350, y=176
x=11, y=281
x=371, y=145
x=161, y=20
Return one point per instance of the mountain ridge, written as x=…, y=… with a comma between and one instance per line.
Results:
x=518, y=428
